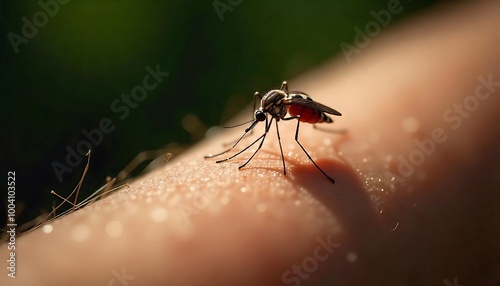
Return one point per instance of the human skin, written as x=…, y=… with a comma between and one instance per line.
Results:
x=195, y=222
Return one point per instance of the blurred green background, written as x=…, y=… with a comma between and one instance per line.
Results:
x=65, y=77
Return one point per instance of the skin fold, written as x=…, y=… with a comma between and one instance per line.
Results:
x=415, y=200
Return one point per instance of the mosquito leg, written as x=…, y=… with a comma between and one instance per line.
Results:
x=258, y=148
x=281, y=149
x=234, y=145
x=225, y=151
x=284, y=87
x=303, y=149
x=268, y=125
x=257, y=97
x=226, y=144
x=241, y=151
x=262, y=137
x=218, y=154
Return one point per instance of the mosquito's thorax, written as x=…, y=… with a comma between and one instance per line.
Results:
x=272, y=102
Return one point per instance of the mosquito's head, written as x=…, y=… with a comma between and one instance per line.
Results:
x=260, y=115
x=272, y=102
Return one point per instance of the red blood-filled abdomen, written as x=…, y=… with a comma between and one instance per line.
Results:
x=308, y=115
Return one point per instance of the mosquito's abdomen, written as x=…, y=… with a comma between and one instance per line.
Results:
x=307, y=115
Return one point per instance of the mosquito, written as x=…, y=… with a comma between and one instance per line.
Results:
x=277, y=104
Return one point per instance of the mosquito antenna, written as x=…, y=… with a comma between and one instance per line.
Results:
x=237, y=125
x=256, y=96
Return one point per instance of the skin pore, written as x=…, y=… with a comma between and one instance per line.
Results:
x=413, y=200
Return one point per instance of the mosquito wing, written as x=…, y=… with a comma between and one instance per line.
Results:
x=305, y=100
